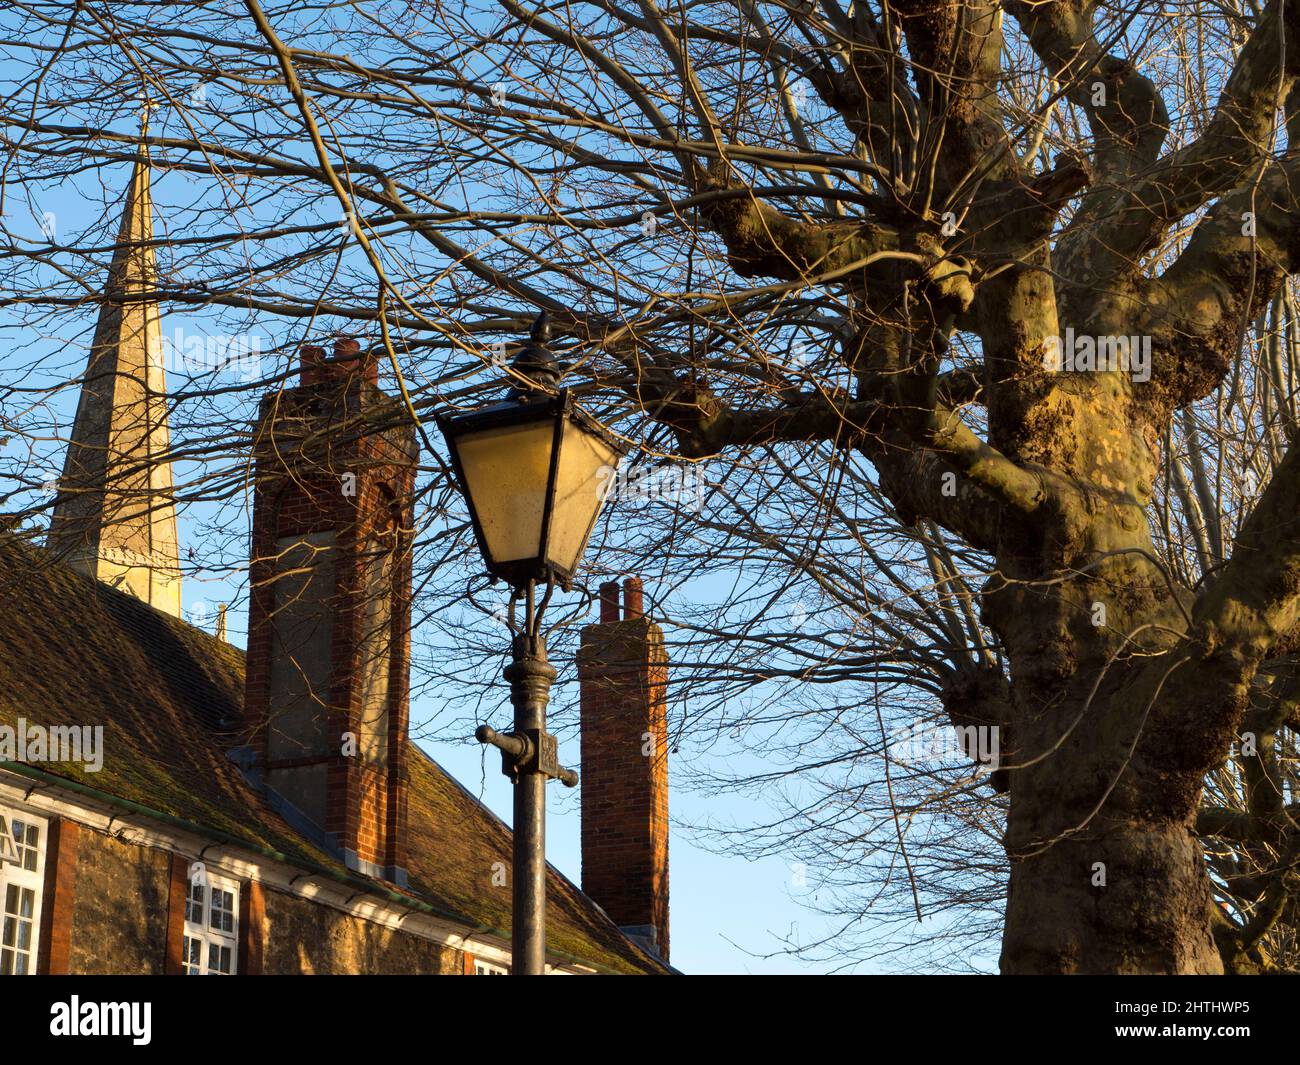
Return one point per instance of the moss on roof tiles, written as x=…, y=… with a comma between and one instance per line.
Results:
x=76, y=652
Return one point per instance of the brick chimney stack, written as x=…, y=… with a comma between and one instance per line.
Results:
x=327, y=693
x=624, y=670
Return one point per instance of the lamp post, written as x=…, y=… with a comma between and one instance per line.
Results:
x=529, y=468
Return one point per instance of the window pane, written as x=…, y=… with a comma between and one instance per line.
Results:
x=17, y=933
x=190, y=956
x=194, y=904
x=223, y=916
x=218, y=960
x=26, y=839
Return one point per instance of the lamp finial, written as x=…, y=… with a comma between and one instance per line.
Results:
x=535, y=363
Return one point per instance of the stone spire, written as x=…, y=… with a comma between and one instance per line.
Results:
x=115, y=518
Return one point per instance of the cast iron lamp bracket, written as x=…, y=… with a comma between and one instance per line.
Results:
x=529, y=748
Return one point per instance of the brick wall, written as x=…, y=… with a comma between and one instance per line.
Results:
x=624, y=672
x=61, y=853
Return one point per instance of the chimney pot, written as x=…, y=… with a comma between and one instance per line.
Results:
x=351, y=359
x=609, y=602
x=348, y=358
x=311, y=364
x=633, y=600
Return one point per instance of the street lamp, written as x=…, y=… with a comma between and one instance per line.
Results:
x=530, y=470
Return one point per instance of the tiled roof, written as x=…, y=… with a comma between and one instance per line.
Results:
x=76, y=652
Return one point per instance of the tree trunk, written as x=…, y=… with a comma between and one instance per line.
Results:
x=1131, y=897
x=1107, y=874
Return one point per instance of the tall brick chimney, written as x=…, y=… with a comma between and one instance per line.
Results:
x=327, y=692
x=624, y=671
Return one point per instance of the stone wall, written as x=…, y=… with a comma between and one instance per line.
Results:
x=119, y=907
x=303, y=938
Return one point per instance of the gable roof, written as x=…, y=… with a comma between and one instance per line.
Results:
x=77, y=652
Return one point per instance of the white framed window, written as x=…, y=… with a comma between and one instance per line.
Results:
x=211, y=943
x=487, y=968
x=22, y=886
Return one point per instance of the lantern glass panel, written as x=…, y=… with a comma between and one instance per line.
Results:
x=507, y=470
x=579, y=482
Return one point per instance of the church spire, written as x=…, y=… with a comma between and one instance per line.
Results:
x=115, y=518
